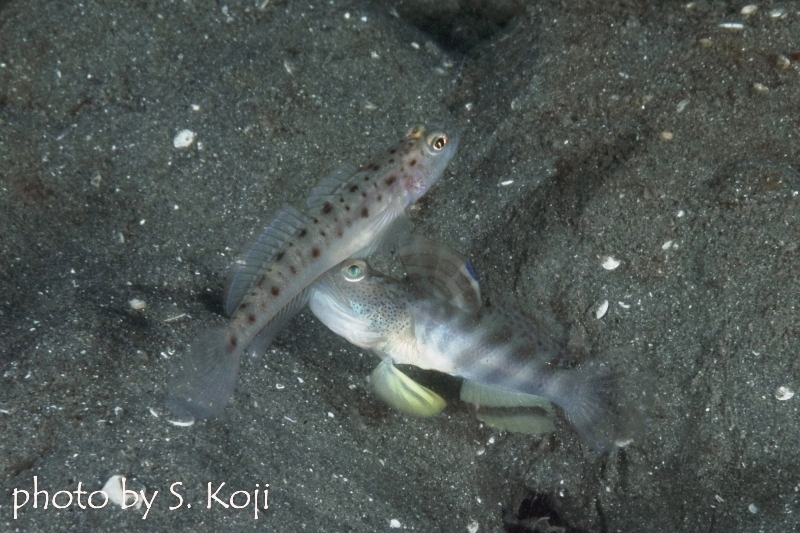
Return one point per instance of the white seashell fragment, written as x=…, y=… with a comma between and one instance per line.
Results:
x=113, y=488
x=783, y=393
x=601, y=309
x=732, y=26
x=752, y=508
x=666, y=245
x=394, y=523
x=137, y=304
x=472, y=527
x=609, y=263
x=624, y=305
x=182, y=423
x=777, y=13
x=749, y=10
x=506, y=183
x=184, y=139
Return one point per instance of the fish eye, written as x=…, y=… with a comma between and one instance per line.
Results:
x=355, y=271
x=437, y=141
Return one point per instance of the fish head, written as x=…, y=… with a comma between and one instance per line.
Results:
x=354, y=303
x=424, y=158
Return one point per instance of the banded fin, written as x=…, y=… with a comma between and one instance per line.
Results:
x=203, y=382
x=265, y=337
x=438, y=268
x=251, y=264
x=331, y=186
x=403, y=393
x=508, y=410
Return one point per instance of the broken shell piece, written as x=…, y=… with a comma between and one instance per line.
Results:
x=182, y=423
x=784, y=393
x=113, y=488
x=137, y=304
x=732, y=26
x=601, y=309
x=609, y=263
x=749, y=10
x=184, y=139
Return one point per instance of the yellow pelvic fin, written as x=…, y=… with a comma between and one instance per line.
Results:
x=403, y=393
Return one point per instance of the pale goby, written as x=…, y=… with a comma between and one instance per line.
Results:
x=347, y=215
x=435, y=321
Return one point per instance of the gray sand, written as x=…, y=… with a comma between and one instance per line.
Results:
x=642, y=131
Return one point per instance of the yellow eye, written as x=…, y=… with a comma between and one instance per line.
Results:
x=355, y=271
x=437, y=141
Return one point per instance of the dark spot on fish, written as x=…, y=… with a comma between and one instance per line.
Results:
x=364, y=194
x=353, y=188
x=391, y=160
x=339, y=232
x=412, y=162
x=366, y=178
x=275, y=290
x=326, y=208
x=244, y=305
x=233, y=341
x=251, y=319
x=379, y=197
x=364, y=212
x=279, y=256
x=374, y=167
x=292, y=269
x=341, y=200
x=322, y=233
x=302, y=233
x=392, y=150
x=347, y=208
x=390, y=180
x=316, y=221
x=261, y=280
x=315, y=252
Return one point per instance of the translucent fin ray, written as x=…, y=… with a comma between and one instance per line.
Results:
x=331, y=186
x=203, y=382
x=278, y=322
x=596, y=408
x=390, y=238
x=403, y=393
x=246, y=270
x=440, y=269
